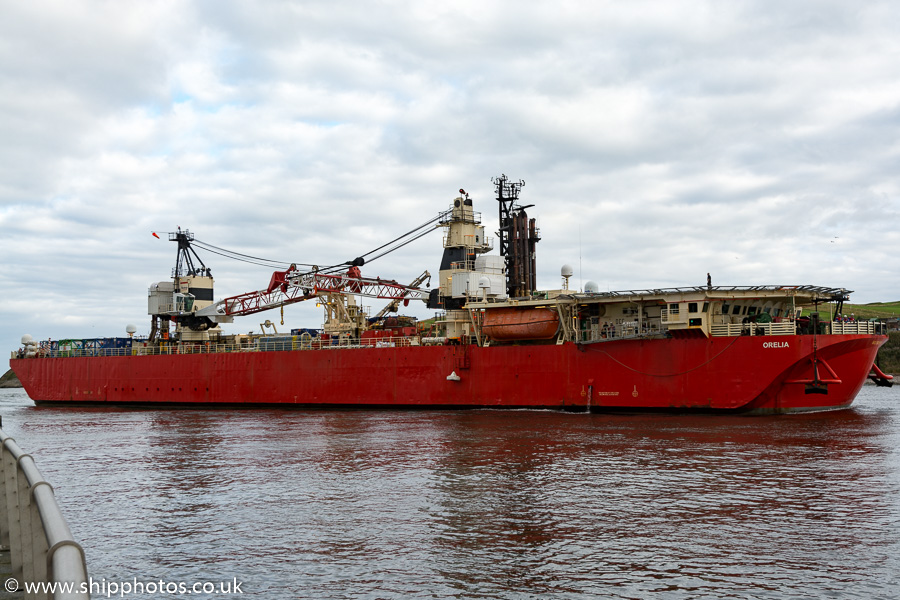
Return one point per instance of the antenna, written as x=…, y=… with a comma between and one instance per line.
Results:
x=580, y=276
x=566, y=272
x=518, y=235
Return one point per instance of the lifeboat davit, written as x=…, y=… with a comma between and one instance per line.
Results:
x=513, y=324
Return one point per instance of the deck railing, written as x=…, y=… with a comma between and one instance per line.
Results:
x=621, y=331
x=737, y=329
x=595, y=332
x=790, y=328
x=673, y=316
x=652, y=328
x=856, y=327
x=42, y=550
x=262, y=344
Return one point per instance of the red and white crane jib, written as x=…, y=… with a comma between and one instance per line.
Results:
x=387, y=289
x=288, y=288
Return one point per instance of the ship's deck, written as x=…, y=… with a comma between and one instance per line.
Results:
x=622, y=331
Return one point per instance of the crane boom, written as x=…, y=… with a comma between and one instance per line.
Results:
x=393, y=304
x=288, y=287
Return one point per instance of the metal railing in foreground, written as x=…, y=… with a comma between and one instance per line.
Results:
x=43, y=554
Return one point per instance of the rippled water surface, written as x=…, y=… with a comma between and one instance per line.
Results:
x=480, y=504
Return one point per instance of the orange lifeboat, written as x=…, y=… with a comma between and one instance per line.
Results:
x=511, y=324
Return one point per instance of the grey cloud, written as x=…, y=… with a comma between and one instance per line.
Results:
x=673, y=138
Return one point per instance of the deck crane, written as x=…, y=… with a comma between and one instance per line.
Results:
x=188, y=299
x=290, y=286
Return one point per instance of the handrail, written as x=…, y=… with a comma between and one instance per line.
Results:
x=40, y=542
x=261, y=344
x=621, y=331
x=738, y=329
x=278, y=343
x=791, y=328
x=717, y=290
x=854, y=327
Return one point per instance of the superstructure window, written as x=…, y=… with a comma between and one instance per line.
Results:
x=736, y=310
x=692, y=307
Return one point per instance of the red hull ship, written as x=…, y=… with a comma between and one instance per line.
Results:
x=498, y=343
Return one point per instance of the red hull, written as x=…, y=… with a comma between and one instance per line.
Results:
x=756, y=374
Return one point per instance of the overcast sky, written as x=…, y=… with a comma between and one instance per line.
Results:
x=659, y=141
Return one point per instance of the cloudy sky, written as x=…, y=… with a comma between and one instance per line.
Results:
x=659, y=141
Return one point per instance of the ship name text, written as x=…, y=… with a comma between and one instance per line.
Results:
x=776, y=345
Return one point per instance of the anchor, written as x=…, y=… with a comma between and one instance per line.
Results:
x=817, y=385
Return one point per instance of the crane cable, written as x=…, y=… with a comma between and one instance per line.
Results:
x=254, y=260
x=283, y=265
x=398, y=241
x=408, y=233
x=423, y=234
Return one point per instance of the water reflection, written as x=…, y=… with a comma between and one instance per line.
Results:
x=480, y=504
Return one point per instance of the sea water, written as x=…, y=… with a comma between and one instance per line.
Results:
x=476, y=504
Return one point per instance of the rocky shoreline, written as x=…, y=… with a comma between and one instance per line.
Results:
x=9, y=380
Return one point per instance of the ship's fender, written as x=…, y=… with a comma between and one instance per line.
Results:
x=513, y=324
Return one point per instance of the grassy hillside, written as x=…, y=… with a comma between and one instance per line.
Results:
x=881, y=309
x=875, y=310
x=884, y=310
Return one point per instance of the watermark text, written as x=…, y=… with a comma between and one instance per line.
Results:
x=122, y=589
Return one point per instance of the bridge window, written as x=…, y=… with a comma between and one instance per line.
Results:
x=736, y=310
x=692, y=307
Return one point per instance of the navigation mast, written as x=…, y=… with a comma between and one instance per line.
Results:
x=518, y=236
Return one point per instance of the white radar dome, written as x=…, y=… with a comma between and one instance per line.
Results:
x=484, y=283
x=130, y=328
x=591, y=287
x=566, y=271
x=27, y=339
